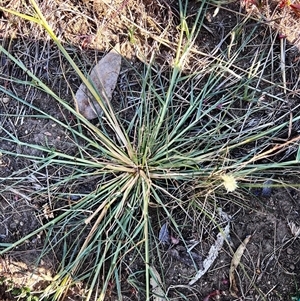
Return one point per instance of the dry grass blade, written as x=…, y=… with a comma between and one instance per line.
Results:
x=237, y=256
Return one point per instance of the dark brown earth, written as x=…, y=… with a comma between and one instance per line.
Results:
x=270, y=267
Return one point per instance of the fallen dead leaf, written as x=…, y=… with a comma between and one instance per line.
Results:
x=215, y=248
x=234, y=264
x=294, y=229
x=164, y=236
x=104, y=78
x=156, y=283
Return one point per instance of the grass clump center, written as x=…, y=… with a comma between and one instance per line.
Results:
x=189, y=143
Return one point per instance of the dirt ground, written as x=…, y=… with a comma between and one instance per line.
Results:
x=271, y=263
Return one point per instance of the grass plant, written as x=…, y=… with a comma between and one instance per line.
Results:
x=186, y=132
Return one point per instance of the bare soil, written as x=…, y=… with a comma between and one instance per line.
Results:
x=270, y=267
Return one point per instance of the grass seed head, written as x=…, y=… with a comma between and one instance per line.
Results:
x=229, y=183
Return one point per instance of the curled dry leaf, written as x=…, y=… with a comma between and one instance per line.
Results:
x=215, y=248
x=104, y=78
x=164, y=236
x=294, y=229
x=234, y=264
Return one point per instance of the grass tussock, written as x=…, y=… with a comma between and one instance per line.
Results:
x=184, y=142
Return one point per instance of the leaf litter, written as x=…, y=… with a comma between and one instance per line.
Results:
x=179, y=252
x=215, y=248
x=186, y=256
x=236, y=259
x=104, y=78
x=157, y=287
x=164, y=235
